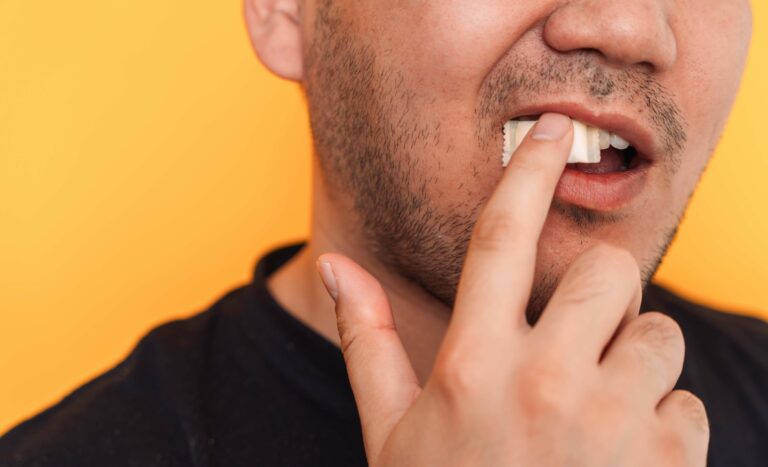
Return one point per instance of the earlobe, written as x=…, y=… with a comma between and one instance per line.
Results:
x=275, y=30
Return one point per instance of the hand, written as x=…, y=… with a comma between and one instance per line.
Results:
x=591, y=384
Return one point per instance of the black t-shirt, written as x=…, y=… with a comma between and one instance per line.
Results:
x=246, y=384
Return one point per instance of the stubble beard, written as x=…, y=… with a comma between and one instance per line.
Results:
x=368, y=140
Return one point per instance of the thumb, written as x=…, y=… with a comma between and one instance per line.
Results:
x=381, y=376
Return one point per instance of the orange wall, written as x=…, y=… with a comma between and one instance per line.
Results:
x=142, y=154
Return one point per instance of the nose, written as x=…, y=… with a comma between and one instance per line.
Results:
x=625, y=32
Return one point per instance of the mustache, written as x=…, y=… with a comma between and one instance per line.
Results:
x=518, y=79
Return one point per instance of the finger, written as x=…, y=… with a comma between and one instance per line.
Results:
x=600, y=290
x=498, y=271
x=381, y=376
x=646, y=357
x=686, y=425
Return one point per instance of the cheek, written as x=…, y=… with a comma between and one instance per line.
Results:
x=712, y=47
x=442, y=52
x=448, y=46
x=713, y=41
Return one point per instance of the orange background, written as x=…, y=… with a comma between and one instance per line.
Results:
x=147, y=160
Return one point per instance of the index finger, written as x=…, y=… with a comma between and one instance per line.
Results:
x=498, y=271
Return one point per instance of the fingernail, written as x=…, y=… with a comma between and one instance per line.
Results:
x=329, y=279
x=551, y=127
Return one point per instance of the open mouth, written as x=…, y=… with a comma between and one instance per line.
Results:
x=605, y=171
x=595, y=150
x=612, y=160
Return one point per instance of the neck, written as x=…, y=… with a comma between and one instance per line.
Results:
x=421, y=319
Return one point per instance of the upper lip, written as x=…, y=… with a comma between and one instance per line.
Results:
x=620, y=123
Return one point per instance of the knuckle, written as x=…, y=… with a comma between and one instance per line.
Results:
x=661, y=330
x=453, y=377
x=658, y=341
x=348, y=341
x=347, y=335
x=658, y=331
x=540, y=389
x=622, y=264
x=586, y=281
x=693, y=409
x=684, y=428
x=660, y=336
x=599, y=270
x=612, y=261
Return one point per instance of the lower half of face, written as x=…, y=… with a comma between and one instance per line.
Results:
x=420, y=158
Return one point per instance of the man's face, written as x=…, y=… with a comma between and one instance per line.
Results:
x=407, y=100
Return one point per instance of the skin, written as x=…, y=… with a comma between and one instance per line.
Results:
x=406, y=101
x=565, y=393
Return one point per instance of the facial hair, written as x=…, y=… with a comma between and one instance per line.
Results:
x=367, y=137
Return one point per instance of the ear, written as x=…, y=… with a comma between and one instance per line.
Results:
x=275, y=32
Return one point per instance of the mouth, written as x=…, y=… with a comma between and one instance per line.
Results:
x=610, y=181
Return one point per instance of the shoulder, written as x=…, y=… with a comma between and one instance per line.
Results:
x=701, y=318
x=721, y=341
x=726, y=366
x=144, y=401
x=104, y=419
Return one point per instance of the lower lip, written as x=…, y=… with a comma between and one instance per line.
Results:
x=601, y=192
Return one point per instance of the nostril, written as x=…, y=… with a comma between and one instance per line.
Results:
x=593, y=50
x=646, y=67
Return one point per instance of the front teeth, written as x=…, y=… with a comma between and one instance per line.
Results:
x=588, y=141
x=618, y=142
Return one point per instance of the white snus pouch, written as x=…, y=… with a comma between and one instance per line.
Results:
x=587, y=141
